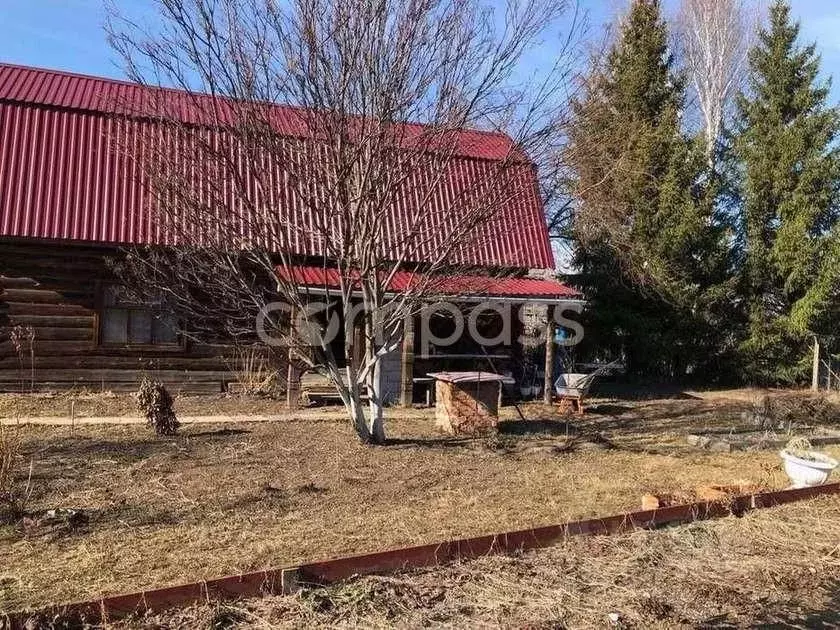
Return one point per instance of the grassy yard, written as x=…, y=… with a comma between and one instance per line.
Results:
x=234, y=497
x=777, y=568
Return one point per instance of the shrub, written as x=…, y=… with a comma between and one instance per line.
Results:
x=156, y=404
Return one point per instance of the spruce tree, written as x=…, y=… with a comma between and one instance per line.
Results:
x=786, y=144
x=649, y=247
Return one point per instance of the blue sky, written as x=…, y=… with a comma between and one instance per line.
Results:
x=68, y=34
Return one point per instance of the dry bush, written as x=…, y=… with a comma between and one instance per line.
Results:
x=786, y=411
x=254, y=374
x=157, y=405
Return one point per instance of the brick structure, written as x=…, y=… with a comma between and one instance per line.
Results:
x=467, y=403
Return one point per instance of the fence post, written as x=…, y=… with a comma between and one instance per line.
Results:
x=815, y=373
x=548, y=387
x=407, y=362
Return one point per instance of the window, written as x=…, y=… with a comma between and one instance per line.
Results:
x=126, y=321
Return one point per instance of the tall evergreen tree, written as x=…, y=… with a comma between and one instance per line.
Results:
x=786, y=142
x=649, y=246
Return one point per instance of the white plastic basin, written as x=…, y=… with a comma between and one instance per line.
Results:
x=805, y=472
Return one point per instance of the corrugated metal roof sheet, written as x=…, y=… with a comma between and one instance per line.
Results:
x=472, y=285
x=63, y=175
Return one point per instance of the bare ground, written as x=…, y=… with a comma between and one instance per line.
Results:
x=223, y=499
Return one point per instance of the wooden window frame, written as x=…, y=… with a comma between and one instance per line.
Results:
x=101, y=287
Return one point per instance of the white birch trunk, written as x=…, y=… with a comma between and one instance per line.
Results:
x=376, y=422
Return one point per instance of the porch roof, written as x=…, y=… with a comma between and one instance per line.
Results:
x=463, y=286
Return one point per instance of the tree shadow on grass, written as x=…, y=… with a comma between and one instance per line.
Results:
x=443, y=442
x=216, y=433
x=510, y=429
x=638, y=392
x=85, y=449
x=608, y=409
x=537, y=427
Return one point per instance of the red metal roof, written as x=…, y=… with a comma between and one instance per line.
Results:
x=62, y=175
x=472, y=285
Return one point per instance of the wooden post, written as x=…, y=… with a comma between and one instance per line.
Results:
x=293, y=374
x=815, y=372
x=407, y=363
x=548, y=389
x=292, y=385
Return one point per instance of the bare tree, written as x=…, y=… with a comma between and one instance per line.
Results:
x=714, y=36
x=332, y=133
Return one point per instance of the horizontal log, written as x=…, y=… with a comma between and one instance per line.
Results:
x=36, y=275
x=61, y=274
x=66, y=333
x=50, y=347
x=38, y=296
x=175, y=387
x=86, y=349
x=28, y=245
x=212, y=350
x=17, y=283
x=53, y=321
x=28, y=308
x=59, y=251
x=95, y=359
x=95, y=375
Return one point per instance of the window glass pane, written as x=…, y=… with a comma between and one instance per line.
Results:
x=114, y=325
x=139, y=326
x=165, y=328
x=123, y=321
x=110, y=295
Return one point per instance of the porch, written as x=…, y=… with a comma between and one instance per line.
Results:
x=511, y=330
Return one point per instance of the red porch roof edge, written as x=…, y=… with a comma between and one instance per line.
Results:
x=469, y=285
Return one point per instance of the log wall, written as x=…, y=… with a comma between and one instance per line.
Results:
x=53, y=289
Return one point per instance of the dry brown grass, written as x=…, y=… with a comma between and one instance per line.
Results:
x=89, y=404
x=10, y=444
x=254, y=374
x=237, y=497
x=10, y=448
x=778, y=566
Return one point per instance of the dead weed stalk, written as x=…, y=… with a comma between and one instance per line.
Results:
x=253, y=372
x=23, y=341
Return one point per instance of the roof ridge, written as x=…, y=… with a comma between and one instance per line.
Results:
x=72, y=73
x=181, y=91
